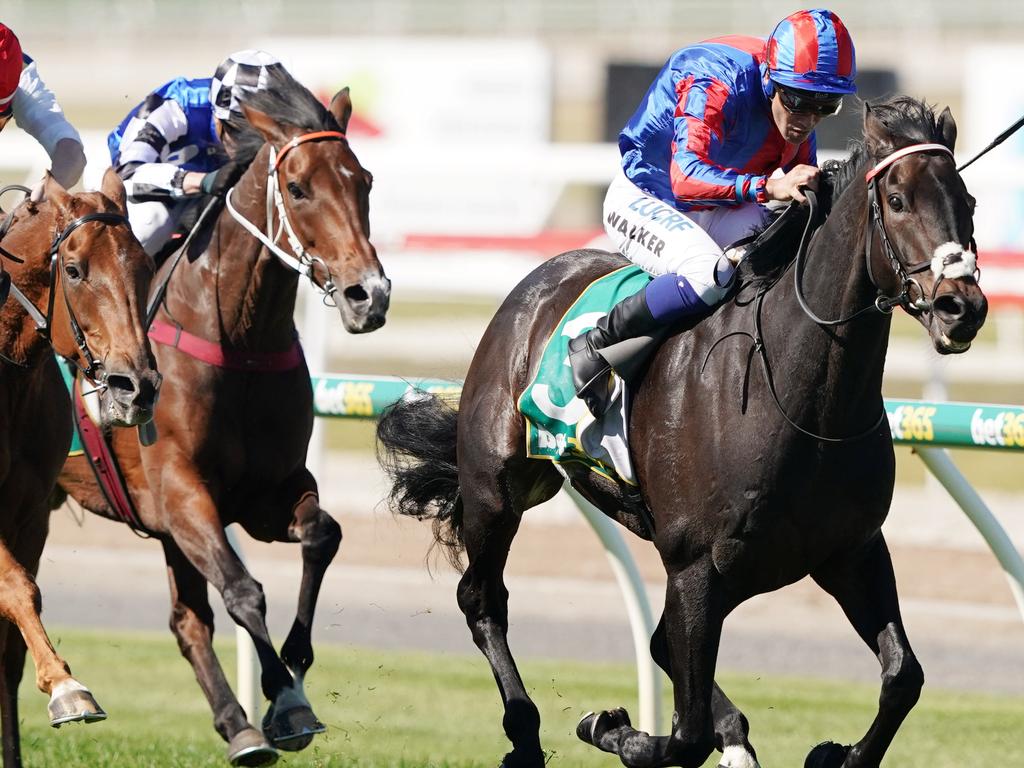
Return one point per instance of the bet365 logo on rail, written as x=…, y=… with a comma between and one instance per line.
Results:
x=1004, y=429
x=912, y=422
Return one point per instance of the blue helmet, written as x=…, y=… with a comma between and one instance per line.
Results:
x=812, y=51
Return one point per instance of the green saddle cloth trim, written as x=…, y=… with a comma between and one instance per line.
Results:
x=549, y=404
x=67, y=372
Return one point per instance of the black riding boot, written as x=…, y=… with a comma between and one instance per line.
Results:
x=591, y=373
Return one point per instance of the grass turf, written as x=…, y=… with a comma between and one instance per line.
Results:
x=416, y=709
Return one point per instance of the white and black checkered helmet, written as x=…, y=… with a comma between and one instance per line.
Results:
x=248, y=70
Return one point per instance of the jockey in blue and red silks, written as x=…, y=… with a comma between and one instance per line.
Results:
x=697, y=162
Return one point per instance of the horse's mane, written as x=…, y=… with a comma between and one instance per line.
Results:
x=907, y=121
x=287, y=102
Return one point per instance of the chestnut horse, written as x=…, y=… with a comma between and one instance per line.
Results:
x=78, y=287
x=758, y=438
x=234, y=427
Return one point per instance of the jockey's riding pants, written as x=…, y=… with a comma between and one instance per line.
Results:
x=665, y=241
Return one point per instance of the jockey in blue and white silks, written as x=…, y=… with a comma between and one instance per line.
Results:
x=698, y=158
x=170, y=149
x=25, y=98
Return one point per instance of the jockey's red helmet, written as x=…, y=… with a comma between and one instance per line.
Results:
x=812, y=51
x=10, y=68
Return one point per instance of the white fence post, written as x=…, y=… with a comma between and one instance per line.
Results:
x=941, y=465
x=641, y=622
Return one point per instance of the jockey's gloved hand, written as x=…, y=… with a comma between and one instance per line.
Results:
x=218, y=182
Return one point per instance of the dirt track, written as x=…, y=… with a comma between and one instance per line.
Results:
x=564, y=601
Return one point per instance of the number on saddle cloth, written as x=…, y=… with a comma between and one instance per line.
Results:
x=559, y=426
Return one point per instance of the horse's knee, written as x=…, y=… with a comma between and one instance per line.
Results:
x=322, y=535
x=318, y=532
x=902, y=685
x=186, y=624
x=243, y=597
x=18, y=593
x=902, y=675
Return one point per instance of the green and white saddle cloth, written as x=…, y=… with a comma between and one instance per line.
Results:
x=558, y=425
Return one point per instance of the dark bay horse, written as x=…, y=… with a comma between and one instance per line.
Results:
x=758, y=438
x=234, y=427
x=80, y=290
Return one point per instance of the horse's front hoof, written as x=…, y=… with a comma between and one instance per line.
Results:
x=828, y=754
x=293, y=729
x=518, y=759
x=249, y=748
x=72, y=702
x=592, y=727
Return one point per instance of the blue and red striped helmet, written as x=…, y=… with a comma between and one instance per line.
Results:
x=812, y=51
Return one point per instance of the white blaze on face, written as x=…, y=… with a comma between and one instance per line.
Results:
x=945, y=265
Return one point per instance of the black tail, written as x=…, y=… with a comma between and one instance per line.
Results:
x=416, y=447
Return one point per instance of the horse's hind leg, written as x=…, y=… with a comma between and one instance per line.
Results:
x=732, y=731
x=693, y=626
x=490, y=522
x=863, y=584
x=192, y=625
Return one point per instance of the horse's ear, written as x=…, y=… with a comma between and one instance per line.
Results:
x=265, y=124
x=113, y=187
x=947, y=129
x=55, y=193
x=341, y=108
x=876, y=135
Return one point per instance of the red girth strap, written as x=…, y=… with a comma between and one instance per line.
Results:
x=232, y=359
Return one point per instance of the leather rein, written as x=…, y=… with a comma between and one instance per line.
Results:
x=883, y=303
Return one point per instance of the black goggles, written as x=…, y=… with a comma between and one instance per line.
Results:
x=809, y=102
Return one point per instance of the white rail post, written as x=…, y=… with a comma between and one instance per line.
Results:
x=648, y=675
x=941, y=465
x=247, y=685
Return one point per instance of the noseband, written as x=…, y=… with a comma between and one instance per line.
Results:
x=44, y=323
x=302, y=262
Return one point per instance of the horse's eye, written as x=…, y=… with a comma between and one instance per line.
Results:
x=895, y=203
x=73, y=271
x=295, y=191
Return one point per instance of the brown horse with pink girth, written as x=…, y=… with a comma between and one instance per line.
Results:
x=236, y=411
x=77, y=279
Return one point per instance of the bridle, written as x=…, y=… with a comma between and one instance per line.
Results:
x=302, y=261
x=44, y=323
x=883, y=303
x=875, y=223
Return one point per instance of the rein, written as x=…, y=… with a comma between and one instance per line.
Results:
x=302, y=262
x=883, y=304
x=44, y=323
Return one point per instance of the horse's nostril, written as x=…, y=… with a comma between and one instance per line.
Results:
x=356, y=293
x=950, y=307
x=120, y=384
